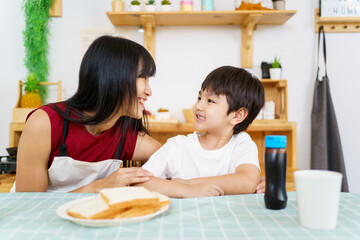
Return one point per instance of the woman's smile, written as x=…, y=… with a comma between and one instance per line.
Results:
x=142, y=101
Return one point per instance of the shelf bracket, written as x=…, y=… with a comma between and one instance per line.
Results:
x=247, y=34
x=148, y=22
x=55, y=9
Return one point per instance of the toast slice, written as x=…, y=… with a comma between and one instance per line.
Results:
x=164, y=200
x=126, y=197
x=138, y=211
x=122, y=202
x=95, y=208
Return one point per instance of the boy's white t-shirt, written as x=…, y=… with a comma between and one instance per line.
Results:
x=184, y=157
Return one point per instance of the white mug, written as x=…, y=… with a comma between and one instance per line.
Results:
x=318, y=194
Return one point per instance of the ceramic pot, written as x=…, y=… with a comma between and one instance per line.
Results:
x=135, y=8
x=275, y=73
x=279, y=5
x=166, y=8
x=150, y=8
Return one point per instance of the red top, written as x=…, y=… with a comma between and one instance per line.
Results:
x=82, y=145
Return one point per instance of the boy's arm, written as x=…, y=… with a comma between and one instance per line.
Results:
x=182, y=190
x=158, y=164
x=243, y=181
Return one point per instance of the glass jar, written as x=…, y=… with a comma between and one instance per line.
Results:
x=186, y=6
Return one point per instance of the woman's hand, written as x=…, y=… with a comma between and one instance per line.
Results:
x=203, y=190
x=120, y=178
x=261, y=185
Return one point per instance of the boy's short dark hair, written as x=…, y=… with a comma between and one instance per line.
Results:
x=241, y=88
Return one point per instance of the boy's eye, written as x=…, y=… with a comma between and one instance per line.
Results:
x=210, y=101
x=199, y=98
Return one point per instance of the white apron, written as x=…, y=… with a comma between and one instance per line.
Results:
x=67, y=174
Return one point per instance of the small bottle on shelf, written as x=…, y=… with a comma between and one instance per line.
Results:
x=207, y=5
x=269, y=110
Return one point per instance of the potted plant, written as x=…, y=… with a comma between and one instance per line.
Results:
x=279, y=4
x=275, y=71
x=150, y=6
x=165, y=5
x=31, y=98
x=135, y=6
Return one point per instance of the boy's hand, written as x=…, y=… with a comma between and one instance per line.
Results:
x=261, y=185
x=204, y=190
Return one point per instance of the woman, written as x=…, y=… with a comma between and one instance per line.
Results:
x=103, y=120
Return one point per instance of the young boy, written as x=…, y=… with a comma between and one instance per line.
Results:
x=222, y=158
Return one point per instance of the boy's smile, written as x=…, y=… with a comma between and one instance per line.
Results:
x=210, y=112
x=199, y=117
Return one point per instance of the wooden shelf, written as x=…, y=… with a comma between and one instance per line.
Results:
x=337, y=24
x=256, y=126
x=276, y=90
x=247, y=19
x=200, y=18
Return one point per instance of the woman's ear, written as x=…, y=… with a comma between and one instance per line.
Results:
x=239, y=116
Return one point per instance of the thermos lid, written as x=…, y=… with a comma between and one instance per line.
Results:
x=275, y=141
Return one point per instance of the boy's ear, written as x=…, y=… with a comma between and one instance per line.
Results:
x=239, y=116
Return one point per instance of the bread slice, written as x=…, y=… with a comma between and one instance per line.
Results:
x=95, y=208
x=164, y=200
x=127, y=197
x=138, y=211
x=122, y=202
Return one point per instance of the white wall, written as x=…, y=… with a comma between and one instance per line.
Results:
x=185, y=55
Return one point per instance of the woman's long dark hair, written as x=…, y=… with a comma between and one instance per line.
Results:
x=107, y=82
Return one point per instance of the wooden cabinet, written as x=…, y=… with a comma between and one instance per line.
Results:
x=248, y=20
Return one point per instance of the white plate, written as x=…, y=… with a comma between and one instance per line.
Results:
x=62, y=212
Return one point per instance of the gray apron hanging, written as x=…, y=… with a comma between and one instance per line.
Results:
x=326, y=150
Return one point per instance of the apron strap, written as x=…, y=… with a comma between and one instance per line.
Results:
x=62, y=148
x=321, y=30
x=120, y=146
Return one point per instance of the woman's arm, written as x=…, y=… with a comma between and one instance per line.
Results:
x=120, y=178
x=33, y=154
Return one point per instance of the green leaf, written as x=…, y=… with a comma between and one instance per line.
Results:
x=276, y=62
x=35, y=38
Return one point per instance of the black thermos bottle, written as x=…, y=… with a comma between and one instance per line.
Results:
x=275, y=171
